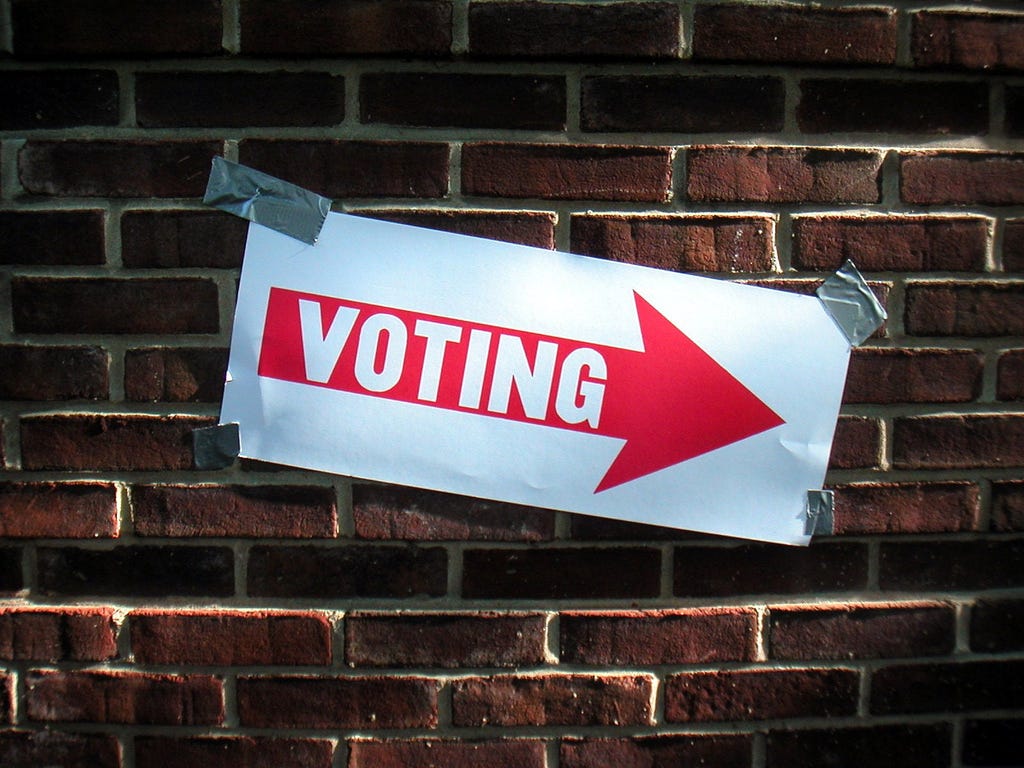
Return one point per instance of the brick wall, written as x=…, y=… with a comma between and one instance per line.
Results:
x=158, y=615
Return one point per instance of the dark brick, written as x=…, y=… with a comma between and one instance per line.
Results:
x=182, y=239
x=1010, y=375
x=58, y=510
x=947, y=688
x=657, y=751
x=231, y=752
x=1008, y=506
x=877, y=746
x=1014, y=111
x=51, y=238
x=958, y=40
x=951, y=565
x=993, y=742
x=66, y=634
x=965, y=309
x=58, y=99
x=878, y=375
x=10, y=569
x=944, y=507
x=188, y=375
x=997, y=626
x=1013, y=246
x=351, y=571
x=53, y=373
x=31, y=749
x=962, y=178
x=857, y=443
x=533, y=228
x=137, y=570
x=426, y=753
x=958, y=442
x=588, y=528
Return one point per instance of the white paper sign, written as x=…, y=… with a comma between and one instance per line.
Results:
x=441, y=361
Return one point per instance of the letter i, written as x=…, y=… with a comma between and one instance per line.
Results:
x=476, y=367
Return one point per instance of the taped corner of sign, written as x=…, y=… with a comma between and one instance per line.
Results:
x=215, y=447
x=264, y=199
x=820, y=513
x=852, y=304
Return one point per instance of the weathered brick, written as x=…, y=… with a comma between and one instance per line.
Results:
x=997, y=625
x=947, y=687
x=783, y=175
x=583, y=700
x=876, y=746
x=221, y=638
x=533, y=228
x=231, y=752
x=352, y=28
x=951, y=565
x=123, y=697
x=951, y=39
x=114, y=305
x=399, y=512
x=448, y=640
x=6, y=699
x=694, y=697
x=794, y=34
x=10, y=569
x=337, y=702
x=349, y=169
x=644, y=30
x=861, y=631
x=1010, y=375
x=993, y=742
x=58, y=510
x=567, y=172
x=53, y=373
x=751, y=569
x=698, y=636
x=684, y=243
x=351, y=571
x=463, y=100
x=146, y=571
x=238, y=99
x=56, y=238
x=964, y=309
x=958, y=442
x=65, y=634
x=116, y=168
x=909, y=507
x=108, y=442
x=186, y=375
x=589, y=528
x=962, y=178
x=657, y=751
x=562, y=572
x=890, y=243
x=1013, y=246
x=857, y=443
x=425, y=753
x=112, y=28
x=30, y=749
x=58, y=99
x=682, y=104
x=182, y=239
x=886, y=375
x=1008, y=506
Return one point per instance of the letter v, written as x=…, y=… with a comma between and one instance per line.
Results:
x=322, y=350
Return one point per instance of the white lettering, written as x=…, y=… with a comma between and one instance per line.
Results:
x=534, y=386
x=476, y=367
x=578, y=399
x=371, y=337
x=438, y=336
x=322, y=350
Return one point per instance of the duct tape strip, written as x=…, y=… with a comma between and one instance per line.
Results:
x=215, y=447
x=253, y=195
x=820, y=513
x=852, y=304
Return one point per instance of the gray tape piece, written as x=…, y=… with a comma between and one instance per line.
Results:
x=820, y=513
x=852, y=304
x=215, y=447
x=258, y=197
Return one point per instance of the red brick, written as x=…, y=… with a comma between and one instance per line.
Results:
x=108, y=442
x=349, y=571
x=145, y=571
x=683, y=243
x=943, y=507
x=220, y=638
x=885, y=375
x=582, y=700
x=562, y=572
x=1013, y=246
x=337, y=702
x=861, y=631
x=398, y=512
x=112, y=28
x=857, y=443
x=588, y=528
x=53, y=373
x=962, y=178
x=30, y=749
x=876, y=746
x=463, y=100
x=687, y=104
x=231, y=752
x=751, y=569
x=567, y=172
x=190, y=375
x=182, y=239
x=10, y=569
x=950, y=39
x=57, y=238
x=1008, y=506
x=890, y=243
x=743, y=695
x=947, y=688
x=783, y=175
x=286, y=511
x=1010, y=372
x=432, y=753
x=123, y=697
x=114, y=305
x=997, y=625
x=449, y=640
x=794, y=34
x=58, y=99
x=958, y=442
x=58, y=510
x=353, y=28
x=618, y=638
x=65, y=634
x=238, y=99
x=116, y=168
x=657, y=751
x=993, y=742
x=964, y=309
x=533, y=228
x=952, y=565
x=349, y=169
